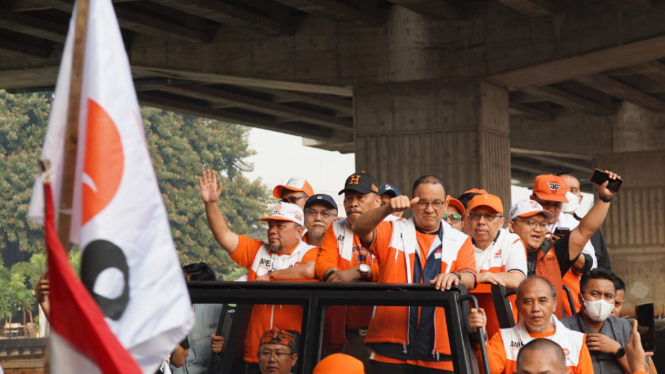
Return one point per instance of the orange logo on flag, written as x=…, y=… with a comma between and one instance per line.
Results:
x=103, y=162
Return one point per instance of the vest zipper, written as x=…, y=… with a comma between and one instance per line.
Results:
x=405, y=350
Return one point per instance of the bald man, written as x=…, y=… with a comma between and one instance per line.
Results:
x=541, y=356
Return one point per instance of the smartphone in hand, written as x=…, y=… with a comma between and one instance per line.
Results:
x=599, y=177
x=645, y=326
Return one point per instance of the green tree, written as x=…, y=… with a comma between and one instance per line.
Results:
x=181, y=147
x=23, y=120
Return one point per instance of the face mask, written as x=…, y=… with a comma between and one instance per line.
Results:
x=598, y=310
x=572, y=204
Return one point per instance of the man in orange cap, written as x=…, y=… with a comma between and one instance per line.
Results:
x=464, y=199
x=295, y=191
x=339, y=363
x=500, y=255
x=454, y=212
x=283, y=257
x=277, y=351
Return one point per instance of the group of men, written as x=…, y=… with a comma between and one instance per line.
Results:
x=446, y=242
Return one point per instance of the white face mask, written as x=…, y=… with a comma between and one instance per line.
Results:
x=598, y=310
x=572, y=204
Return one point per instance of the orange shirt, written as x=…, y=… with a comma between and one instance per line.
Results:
x=253, y=255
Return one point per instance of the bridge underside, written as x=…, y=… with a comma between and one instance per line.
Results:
x=484, y=92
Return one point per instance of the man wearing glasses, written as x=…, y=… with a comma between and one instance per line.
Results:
x=344, y=258
x=277, y=352
x=500, y=255
x=422, y=249
x=295, y=191
x=320, y=212
x=454, y=213
x=552, y=260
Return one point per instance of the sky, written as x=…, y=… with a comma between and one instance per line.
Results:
x=326, y=171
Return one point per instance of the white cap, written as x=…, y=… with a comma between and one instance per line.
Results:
x=528, y=208
x=572, y=204
x=286, y=212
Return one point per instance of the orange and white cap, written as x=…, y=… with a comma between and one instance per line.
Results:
x=294, y=184
x=528, y=208
x=550, y=188
x=286, y=212
x=490, y=201
x=456, y=203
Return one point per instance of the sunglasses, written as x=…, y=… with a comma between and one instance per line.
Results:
x=454, y=218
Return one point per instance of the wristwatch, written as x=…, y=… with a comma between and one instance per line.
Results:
x=606, y=199
x=364, y=270
x=620, y=353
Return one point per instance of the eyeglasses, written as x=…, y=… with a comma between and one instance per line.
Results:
x=324, y=213
x=279, y=355
x=436, y=205
x=488, y=217
x=454, y=217
x=534, y=224
x=293, y=199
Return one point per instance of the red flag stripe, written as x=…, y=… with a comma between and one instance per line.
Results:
x=74, y=314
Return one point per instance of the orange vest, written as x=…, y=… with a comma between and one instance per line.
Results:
x=572, y=280
x=389, y=331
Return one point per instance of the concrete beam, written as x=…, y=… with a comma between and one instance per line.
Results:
x=263, y=122
x=269, y=17
x=532, y=8
x=362, y=12
x=633, y=4
x=521, y=109
x=336, y=103
x=584, y=64
x=654, y=70
x=24, y=44
x=569, y=100
x=623, y=91
x=437, y=9
x=211, y=94
x=33, y=26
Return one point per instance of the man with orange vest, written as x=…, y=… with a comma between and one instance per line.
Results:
x=283, y=257
x=529, y=220
x=552, y=193
x=500, y=254
x=423, y=249
x=536, y=301
x=344, y=258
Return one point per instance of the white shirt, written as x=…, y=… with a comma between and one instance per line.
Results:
x=567, y=220
x=507, y=253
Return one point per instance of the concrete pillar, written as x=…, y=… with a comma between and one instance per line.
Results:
x=457, y=130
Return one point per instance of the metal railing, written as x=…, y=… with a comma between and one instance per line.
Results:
x=315, y=297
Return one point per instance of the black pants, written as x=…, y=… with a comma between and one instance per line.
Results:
x=384, y=368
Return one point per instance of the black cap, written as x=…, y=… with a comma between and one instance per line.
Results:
x=390, y=190
x=361, y=182
x=321, y=199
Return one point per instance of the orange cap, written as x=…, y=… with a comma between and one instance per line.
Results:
x=339, y=363
x=476, y=190
x=490, y=201
x=294, y=184
x=550, y=188
x=456, y=203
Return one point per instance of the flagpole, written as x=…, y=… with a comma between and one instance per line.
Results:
x=64, y=220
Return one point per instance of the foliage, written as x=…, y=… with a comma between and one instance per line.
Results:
x=23, y=120
x=180, y=146
x=15, y=295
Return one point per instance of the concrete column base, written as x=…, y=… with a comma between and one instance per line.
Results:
x=459, y=131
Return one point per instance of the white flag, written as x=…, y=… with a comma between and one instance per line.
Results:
x=129, y=262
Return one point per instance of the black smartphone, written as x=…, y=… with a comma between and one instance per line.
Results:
x=599, y=177
x=645, y=326
x=561, y=231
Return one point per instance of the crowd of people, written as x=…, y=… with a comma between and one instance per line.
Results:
x=538, y=247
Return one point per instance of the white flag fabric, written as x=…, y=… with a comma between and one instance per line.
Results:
x=129, y=262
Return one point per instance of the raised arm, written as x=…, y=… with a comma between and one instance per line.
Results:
x=210, y=192
x=367, y=222
x=592, y=221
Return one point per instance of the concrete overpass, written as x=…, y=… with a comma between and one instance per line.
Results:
x=481, y=92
